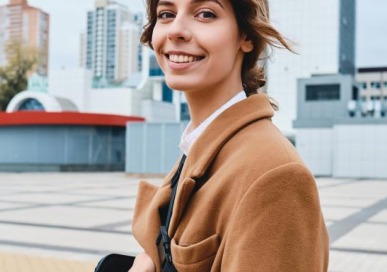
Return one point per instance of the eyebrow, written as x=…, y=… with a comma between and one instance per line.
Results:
x=202, y=1
x=168, y=3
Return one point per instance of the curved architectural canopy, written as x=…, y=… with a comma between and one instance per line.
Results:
x=35, y=101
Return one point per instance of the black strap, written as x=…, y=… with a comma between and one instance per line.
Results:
x=167, y=265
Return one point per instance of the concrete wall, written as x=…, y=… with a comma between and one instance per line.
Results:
x=158, y=111
x=121, y=101
x=360, y=151
x=152, y=148
x=73, y=84
x=315, y=147
x=345, y=150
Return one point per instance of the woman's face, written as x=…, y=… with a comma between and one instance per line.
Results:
x=198, y=45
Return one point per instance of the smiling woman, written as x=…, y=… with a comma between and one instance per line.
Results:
x=241, y=199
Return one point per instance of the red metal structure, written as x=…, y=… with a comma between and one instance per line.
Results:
x=21, y=118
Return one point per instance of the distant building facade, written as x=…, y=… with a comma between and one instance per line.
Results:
x=110, y=47
x=336, y=135
x=373, y=81
x=19, y=22
x=324, y=35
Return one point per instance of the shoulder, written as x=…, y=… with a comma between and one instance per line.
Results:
x=280, y=210
x=259, y=147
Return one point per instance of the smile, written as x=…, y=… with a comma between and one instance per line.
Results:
x=183, y=58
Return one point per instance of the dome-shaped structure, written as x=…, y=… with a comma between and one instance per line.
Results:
x=35, y=101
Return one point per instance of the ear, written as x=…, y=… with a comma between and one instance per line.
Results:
x=246, y=44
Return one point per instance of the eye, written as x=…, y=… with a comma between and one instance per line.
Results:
x=206, y=15
x=165, y=15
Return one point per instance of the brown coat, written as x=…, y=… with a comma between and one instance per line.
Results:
x=257, y=207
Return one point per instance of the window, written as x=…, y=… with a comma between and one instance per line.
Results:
x=323, y=92
x=375, y=85
x=355, y=93
x=31, y=104
x=364, y=85
x=184, y=112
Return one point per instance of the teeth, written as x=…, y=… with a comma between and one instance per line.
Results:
x=182, y=58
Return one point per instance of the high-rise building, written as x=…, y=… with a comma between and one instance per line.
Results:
x=323, y=32
x=19, y=22
x=110, y=46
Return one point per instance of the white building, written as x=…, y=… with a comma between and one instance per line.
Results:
x=335, y=137
x=128, y=50
x=110, y=46
x=324, y=35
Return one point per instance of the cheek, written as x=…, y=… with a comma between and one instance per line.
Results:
x=156, y=38
x=221, y=39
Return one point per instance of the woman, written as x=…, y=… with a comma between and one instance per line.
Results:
x=244, y=200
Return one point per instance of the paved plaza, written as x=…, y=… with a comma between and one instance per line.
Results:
x=68, y=221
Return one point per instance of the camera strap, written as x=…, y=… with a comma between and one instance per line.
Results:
x=163, y=240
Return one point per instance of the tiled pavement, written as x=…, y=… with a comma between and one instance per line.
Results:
x=68, y=221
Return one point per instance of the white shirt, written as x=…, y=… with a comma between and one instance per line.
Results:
x=188, y=139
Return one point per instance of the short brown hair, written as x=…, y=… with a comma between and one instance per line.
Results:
x=252, y=17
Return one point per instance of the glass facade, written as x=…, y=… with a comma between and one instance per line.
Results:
x=184, y=112
x=89, y=40
x=31, y=105
x=322, y=92
x=347, y=37
x=99, y=38
x=111, y=45
x=154, y=68
x=167, y=93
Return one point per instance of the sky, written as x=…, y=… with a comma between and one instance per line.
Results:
x=68, y=20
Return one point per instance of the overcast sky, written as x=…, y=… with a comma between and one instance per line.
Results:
x=68, y=19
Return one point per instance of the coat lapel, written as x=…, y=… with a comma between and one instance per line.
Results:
x=227, y=124
x=185, y=189
x=210, y=142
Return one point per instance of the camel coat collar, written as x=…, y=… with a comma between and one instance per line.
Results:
x=206, y=148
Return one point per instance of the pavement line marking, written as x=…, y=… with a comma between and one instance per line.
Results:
x=359, y=250
x=341, y=183
x=114, y=225
x=29, y=206
x=91, y=229
x=94, y=200
x=342, y=227
x=377, y=223
x=341, y=206
x=99, y=253
x=56, y=248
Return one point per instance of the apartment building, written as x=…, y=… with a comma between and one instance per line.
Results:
x=22, y=23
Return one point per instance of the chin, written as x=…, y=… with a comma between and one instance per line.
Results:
x=181, y=85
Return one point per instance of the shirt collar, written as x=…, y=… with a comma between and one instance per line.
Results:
x=188, y=138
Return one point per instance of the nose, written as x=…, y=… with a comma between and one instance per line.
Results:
x=179, y=30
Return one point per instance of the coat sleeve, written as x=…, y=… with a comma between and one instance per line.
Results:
x=278, y=225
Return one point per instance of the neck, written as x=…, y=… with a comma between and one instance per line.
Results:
x=202, y=106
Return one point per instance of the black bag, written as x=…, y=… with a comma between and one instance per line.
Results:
x=115, y=263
